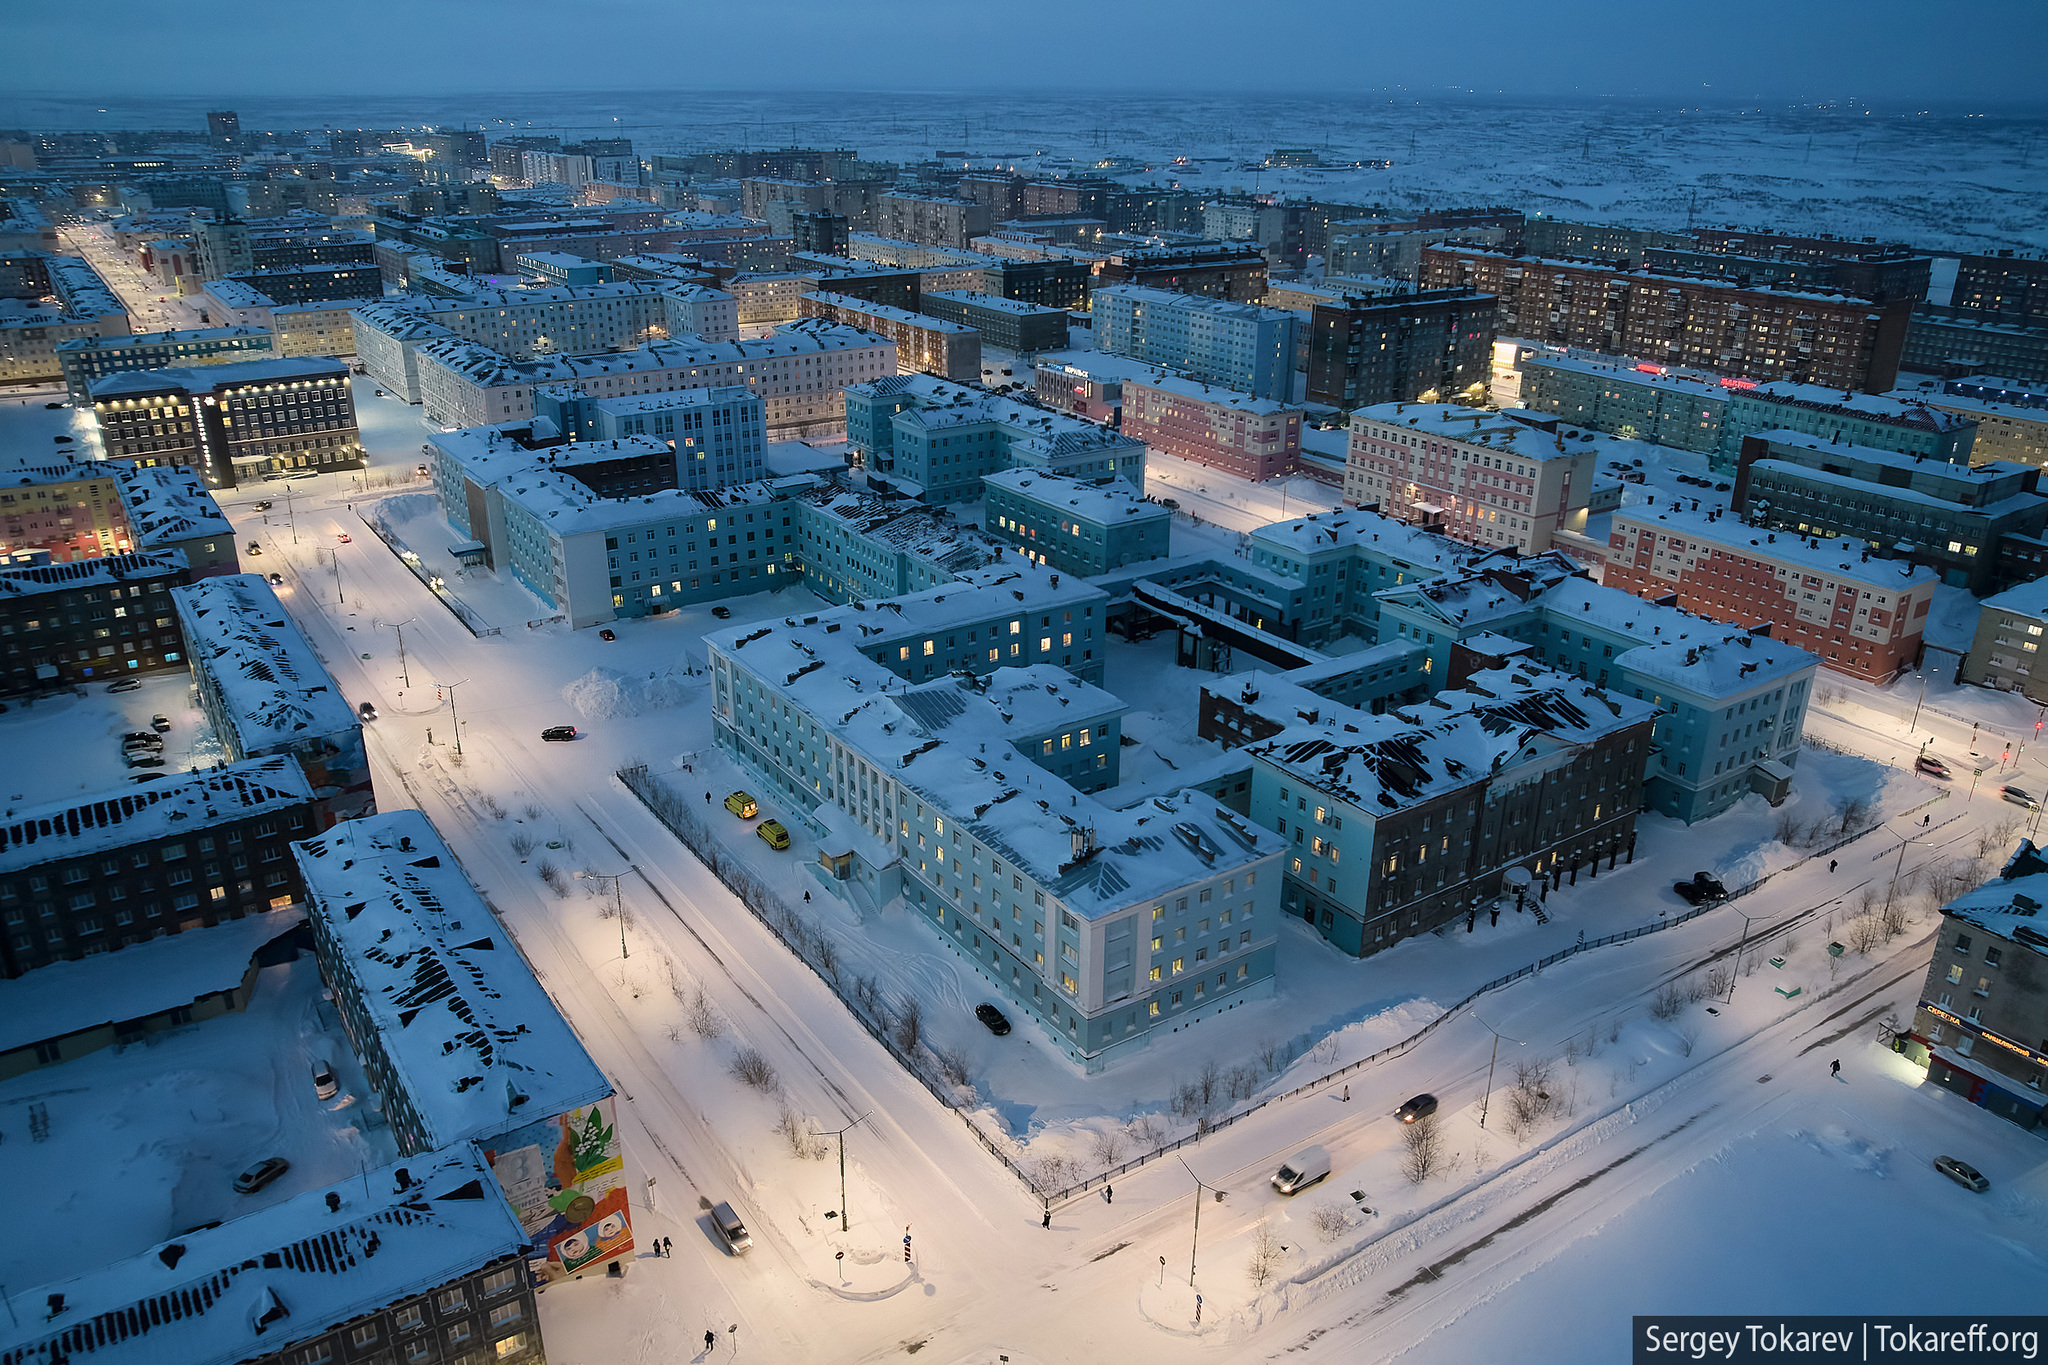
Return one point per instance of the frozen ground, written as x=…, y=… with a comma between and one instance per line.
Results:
x=145, y=1140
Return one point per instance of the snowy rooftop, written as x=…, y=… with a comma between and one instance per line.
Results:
x=30, y=579
x=2011, y=905
x=238, y=293
x=275, y=687
x=139, y=980
x=1115, y=501
x=84, y=293
x=1098, y=365
x=1419, y=752
x=1145, y=295
x=950, y=743
x=994, y=302
x=1847, y=558
x=1328, y=530
x=670, y=400
x=1723, y=661
x=281, y=369
x=2024, y=599
x=185, y=802
x=420, y=305
x=1878, y=407
x=1515, y=431
x=943, y=403
x=245, y=1289
x=1851, y=486
x=127, y=340
x=168, y=503
x=470, y=1034
x=1947, y=469
x=890, y=314
x=1213, y=394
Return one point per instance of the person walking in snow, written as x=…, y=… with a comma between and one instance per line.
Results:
x=1046, y=1223
x=1835, y=1068
x=1831, y=864
x=807, y=898
x=668, y=1246
x=710, y=1340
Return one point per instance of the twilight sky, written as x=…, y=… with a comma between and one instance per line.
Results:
x=1945, y=53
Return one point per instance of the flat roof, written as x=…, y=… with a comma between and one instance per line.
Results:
x=29, y=580
x=1848, y=559
x=474, y=1039
x=996, y=303
x=283, y=369
x=172, y=338
x=274, y=686
x=168, y=503
x=1213, y=394
x=1115, y=502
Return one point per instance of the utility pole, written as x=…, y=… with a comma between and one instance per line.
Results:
x=1486, y=1103
x=1200, y=1190
x=845, y=1218
x=618, y=902
x=1742, y=945
x=454, y=720
x=400, y=626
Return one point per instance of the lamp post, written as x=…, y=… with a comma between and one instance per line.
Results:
x=400, y=626
x=1916, y=702
x=1741, y=946
x=1200, y=1189
x=845, y=1219
x=454, y=720
x=618, y=902
x=1486, y=1103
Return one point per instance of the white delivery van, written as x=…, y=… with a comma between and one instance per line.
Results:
x=1302, y=1170
x=731, y=1229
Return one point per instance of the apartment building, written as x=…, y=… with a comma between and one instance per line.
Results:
x=1074, y=527
x=85, y=360
x=234, y=423
x=2008, y=641
x=1907, y=426
x=927, y=221
x=800, y=373
x=944, y=437
x=1012, y=324
x=927, y=344
x=1232, y=271
x=89, y=875
x=1232, y=345
x=2010, y=287
x=81, y=306
x=1837, y=341
x=69, y=624
x=1102, y=925
x=1403, y=821
x=1855, y=613
x=2011, y=423
x=855, y=545
x=265, y=692
x=1430, y=346
x=1254, y=438
x=1637, y=401
x=1952, y=342
x=1948, y=515
x=700, y=311
x=1512, y=479
x=1981, y=1028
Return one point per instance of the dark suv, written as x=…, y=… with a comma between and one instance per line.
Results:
x=998, y=1023
x=556, y=734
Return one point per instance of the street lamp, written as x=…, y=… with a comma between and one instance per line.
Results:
x=1741, y=946
x=845, y=1219
x=618, y=903
x=1200, y=1189
x=454, y=719
x=1498, y=1036
x=400, y=626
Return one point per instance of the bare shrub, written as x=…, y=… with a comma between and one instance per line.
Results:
x=868, y=996
x=1148, y=1132
x=1272, y=1057
x=1423, y=1150
x=1324, y=1053
x=952, y=1064
x=909, y=1024
x=1106, y=1148
x=703, y=1019
x=1614, y=1029
x=796, y=1131
x=491, y=805
x=1718, y=980
x=1265, y=1257
x=1529, y=1099
x=1851, y=814
x=1998, y=838
x=1330, y=1220
x=1688, y=1038
x=1052, y=1173
x=1241, y=1082
x=751, y=1068
x=828, y=958
x=532, y=811
x=1787, y=829
x=1863, y=934
x=522, y=844
x=556, y=882
x=1669, y=1002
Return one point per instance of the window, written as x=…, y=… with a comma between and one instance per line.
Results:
x=500, y=1281
x=452, y=1300
x=505, y=1314
x=364, y=1335
x=512, y=1346
x=410, y=1318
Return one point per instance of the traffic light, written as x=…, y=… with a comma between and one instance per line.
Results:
x=438, y=696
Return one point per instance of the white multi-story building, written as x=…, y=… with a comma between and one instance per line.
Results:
x=799, y=372
x=1233, y=345
x=516, y=324
x=1492, y=478
x=698, y=310
x=1104, y=925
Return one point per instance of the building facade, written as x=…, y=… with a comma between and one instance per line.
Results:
x=69, y=624
x=1427, y=346
x=1236, y=346
x=234, y=423
x=2008, y=640
x=1503, y=479
x=1254, y=438
x=1013, y=324
x=927, y=344
x=1071, y=526
x=85, y=360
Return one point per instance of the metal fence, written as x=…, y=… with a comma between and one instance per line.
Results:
x=457, y=608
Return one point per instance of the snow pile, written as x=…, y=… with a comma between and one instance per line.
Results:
x=606, y=694
x=1859, y=1153
x=392, y=512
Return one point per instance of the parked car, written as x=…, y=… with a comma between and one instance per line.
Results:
x=254, y=548
x=1930, y=765
x=1421, y=1107
x=774, y=835
x=261, y=1174
x=277, y=580
x=742, y=804
x=149, y=737
x=53, y=405
x=731, y=1228
x=2018, y=797
x=993, y=1019
x=1963, y=1173
x=1709, y=883
x=607, y=634
x=721, y=612
x=1302, y=1170
x=325, y=1087
x=143, y=758
x=159, y=722
x=125, y=685
x=1703, y=887
x=367, y=710
x=558, y=734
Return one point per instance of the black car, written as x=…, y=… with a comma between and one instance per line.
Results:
x=557, y=734
x=265, y=505
x=277, y=580
x=367, y=710
x=998, y=1023
x=1688, y=892
x=53, y=405
x=1703, y=887
x=607, y=634
x=1421, y=1107
x=721, y=612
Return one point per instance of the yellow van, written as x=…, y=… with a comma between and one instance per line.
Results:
x=742, y=805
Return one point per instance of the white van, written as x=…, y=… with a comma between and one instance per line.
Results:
x=1302, y=1170
x=731, y=1229
x=324, y=1084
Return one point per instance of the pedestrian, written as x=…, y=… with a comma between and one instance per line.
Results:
x=807, y=898
x=1109, y=1194
x=1831, y=864
x=1835, y=1067
x=707, y=798
x=1347, y=1094
x=710, y=1340
x=1046, y=1223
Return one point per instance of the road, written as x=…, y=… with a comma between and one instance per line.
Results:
x=152, y=306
